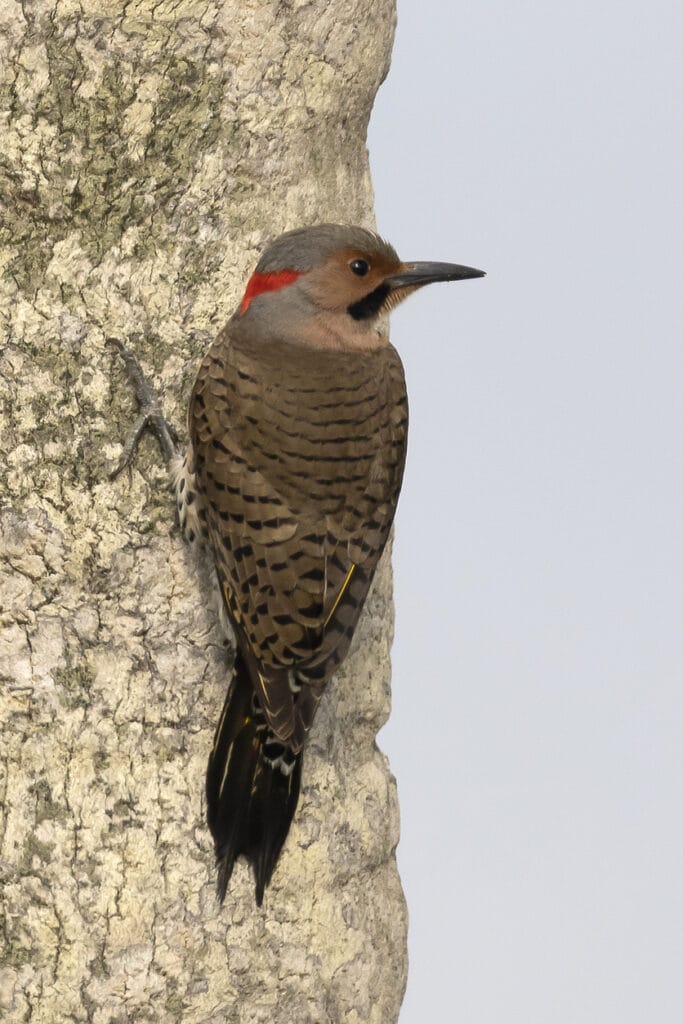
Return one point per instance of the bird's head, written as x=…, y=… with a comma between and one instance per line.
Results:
x=332, y=284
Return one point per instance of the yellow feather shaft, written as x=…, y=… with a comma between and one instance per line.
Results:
x=342, y=591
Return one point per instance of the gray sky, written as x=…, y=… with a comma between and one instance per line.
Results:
x=538, y=664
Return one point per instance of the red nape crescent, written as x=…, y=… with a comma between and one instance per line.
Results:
x=260, y=283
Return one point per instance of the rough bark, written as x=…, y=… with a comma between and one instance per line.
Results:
x=146, y=154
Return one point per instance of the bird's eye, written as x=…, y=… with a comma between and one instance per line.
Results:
x=359, y=267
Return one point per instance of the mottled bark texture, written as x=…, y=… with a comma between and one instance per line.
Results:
x=147, y=150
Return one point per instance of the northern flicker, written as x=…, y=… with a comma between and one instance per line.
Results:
x=298, y=423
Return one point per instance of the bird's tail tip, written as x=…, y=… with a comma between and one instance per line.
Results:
x=252, y=788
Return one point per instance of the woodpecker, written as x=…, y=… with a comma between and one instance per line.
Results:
x=298, y=423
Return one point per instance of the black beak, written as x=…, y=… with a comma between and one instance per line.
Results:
x=415, y=274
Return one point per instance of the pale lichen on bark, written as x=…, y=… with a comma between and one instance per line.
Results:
x=147, y=153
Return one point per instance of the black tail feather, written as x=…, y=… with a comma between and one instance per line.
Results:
x=273, y=802
x=250, y=802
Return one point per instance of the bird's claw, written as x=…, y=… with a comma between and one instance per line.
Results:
x=150, y=415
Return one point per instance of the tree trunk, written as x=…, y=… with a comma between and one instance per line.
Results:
x=146, y=157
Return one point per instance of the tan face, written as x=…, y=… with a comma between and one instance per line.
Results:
x=347, y=277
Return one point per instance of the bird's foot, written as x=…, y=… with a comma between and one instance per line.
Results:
x=150, y=414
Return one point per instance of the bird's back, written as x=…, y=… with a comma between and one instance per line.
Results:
x=299, y=455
